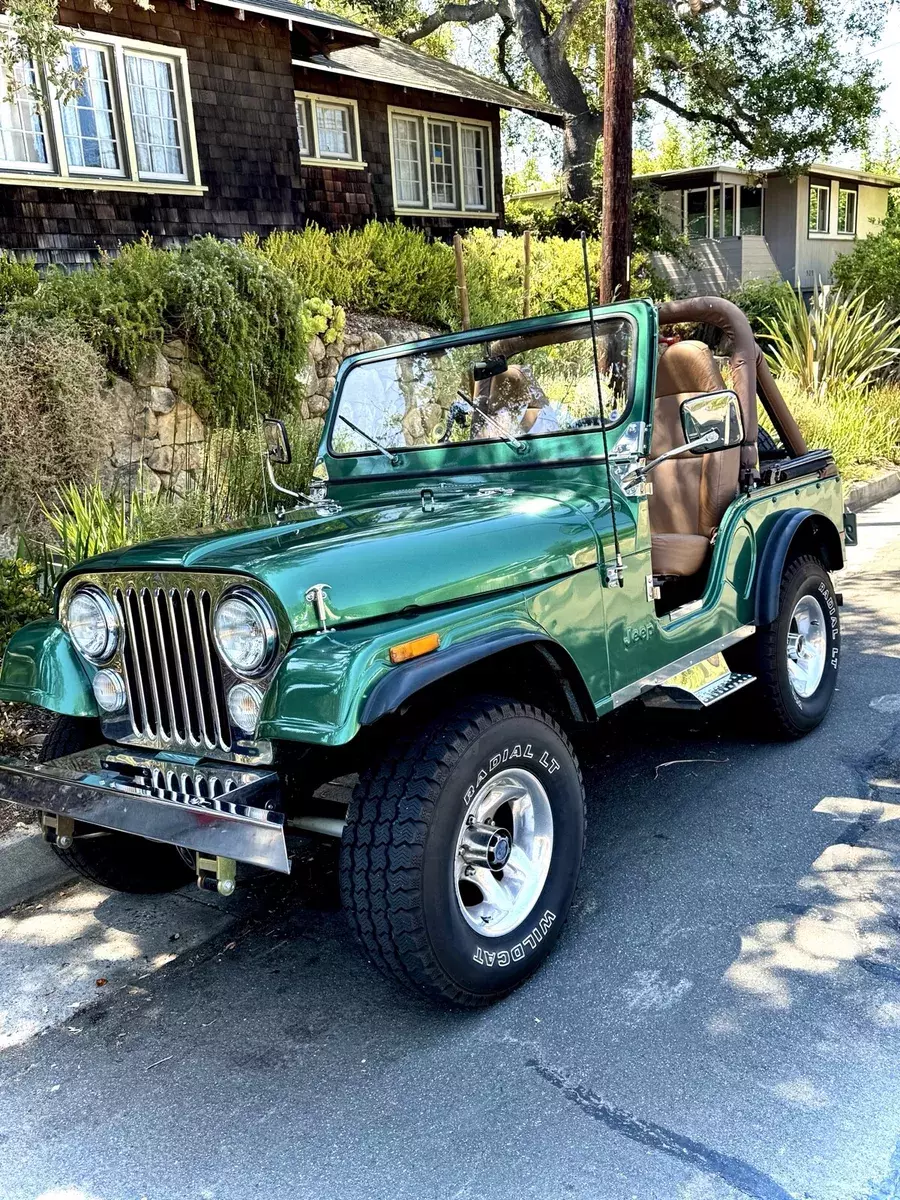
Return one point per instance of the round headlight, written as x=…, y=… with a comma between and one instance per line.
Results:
x=93, y=624
x=245, y=631
x=244, y=703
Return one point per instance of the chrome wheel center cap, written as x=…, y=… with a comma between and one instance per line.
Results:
x=486, y=846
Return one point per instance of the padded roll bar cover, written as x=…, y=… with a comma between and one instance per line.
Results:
x=713, y=310
x=779, y=414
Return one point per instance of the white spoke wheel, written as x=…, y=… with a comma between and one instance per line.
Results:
x=503, y=852
x=807, y=646
x=462, y=849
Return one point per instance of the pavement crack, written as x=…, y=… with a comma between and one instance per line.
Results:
x=734, y=1171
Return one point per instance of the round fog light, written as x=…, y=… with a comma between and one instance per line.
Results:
x=244, y=703
x=109, y=690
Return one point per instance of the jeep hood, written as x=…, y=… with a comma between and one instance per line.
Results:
x=379, y=559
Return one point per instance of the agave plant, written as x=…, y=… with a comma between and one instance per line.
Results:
x=840, y=340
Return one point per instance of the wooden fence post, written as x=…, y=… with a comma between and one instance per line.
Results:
x=462, y=291
x=526, y=298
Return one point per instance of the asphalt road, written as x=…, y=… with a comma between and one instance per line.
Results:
x=722, y=1018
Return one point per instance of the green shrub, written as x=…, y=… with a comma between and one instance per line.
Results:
x=839, y=341
x=20, y=599
x=52, y=414
x=235, y=309
x=322, y=318
x=758, y=300
x=873, y=265
x=118, y=305
x=16, y=279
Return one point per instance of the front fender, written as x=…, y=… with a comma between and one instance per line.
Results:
x=330, y=684
x=41, y=667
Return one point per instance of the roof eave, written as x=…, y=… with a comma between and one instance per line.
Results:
x=357, y=34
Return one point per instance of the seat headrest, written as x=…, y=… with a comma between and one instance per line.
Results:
x=687, y=367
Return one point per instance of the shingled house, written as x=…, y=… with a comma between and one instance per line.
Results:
x=222, y=117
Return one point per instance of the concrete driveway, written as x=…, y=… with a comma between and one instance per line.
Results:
x=722, y=1018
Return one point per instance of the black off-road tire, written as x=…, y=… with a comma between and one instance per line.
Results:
x=786, y=714
x=118, y=861
x=399, y=849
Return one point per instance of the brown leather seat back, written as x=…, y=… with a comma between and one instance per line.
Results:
x=692, y=492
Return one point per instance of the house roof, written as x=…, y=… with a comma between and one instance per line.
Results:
x=305, y=16
x=875, y=178
x=392, y=61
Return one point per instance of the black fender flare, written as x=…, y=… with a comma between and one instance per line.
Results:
x=788, y=528
x=402, y=682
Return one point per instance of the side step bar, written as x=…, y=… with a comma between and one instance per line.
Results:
x=220, y=811
x=699, y=686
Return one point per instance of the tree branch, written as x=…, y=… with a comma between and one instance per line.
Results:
x=459, y=14
x=570, y=15
x=502, y=43
x=698, y=114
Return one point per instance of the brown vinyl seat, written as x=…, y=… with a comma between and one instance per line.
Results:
x=690, y=492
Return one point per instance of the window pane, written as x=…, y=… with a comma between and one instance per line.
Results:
x=751, y=211
x=22, y=136
x=407, y=161
x=441, y=161
x=333, y=129
x=87, y=119
x=302, y=107
x=729, y=212
x=846, y=211
x=474, y=166
x=548, y=387
x=154, y=116
x=819, y=197
x=697, y=213
x=716, y=193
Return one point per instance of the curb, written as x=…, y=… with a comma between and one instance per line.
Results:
x=29, y=869
x=863, y=495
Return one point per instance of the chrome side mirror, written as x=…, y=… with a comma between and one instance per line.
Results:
x=712, y=422
x=278, y=444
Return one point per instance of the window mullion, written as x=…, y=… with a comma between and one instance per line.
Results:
x=55, y=130
x=314, y=132
x=123, y=103
x=458, y=181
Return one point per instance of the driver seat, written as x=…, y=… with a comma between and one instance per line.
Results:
x=691, y=492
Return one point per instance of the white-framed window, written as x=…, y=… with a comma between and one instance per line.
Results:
x=153, y=98
x=440, y=163
x=697, y=206
x=819, y=207
x=328, y=130
x=23, y=132
x=473, y=139
x=848, y=201
x=89, y=117
x=128, y=125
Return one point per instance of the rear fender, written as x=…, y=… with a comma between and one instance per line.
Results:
x=41, y=667
x=796, y=531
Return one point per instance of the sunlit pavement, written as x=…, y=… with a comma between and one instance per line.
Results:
x=722, y=1018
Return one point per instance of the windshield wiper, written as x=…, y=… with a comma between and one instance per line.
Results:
x=393, y=459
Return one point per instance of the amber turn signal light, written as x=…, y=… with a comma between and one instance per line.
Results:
x=415, y=648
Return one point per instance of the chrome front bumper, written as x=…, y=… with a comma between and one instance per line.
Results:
x=222, y=811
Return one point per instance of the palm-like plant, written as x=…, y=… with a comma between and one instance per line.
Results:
x=840, y=340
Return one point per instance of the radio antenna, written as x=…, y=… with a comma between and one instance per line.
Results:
x=614, y=573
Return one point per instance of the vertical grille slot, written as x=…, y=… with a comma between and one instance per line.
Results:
x=173, y=679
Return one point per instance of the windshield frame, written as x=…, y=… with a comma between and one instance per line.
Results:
x=640, y=315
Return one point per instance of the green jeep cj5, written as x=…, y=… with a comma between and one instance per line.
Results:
x=511, y=532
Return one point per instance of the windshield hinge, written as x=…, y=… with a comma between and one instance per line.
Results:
x=427, y=500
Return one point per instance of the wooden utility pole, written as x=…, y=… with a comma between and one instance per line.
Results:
x=462, y=290
x=526, y=283
x=618, y=110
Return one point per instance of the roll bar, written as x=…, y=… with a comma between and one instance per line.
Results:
x=749, y=371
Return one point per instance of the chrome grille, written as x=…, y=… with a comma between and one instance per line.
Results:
x=172, y=675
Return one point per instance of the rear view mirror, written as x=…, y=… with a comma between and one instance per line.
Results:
x=278, y=444
x=712, y=422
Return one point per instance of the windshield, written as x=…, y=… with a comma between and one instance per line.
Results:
x=525, y=386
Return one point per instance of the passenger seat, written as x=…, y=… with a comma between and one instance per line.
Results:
x=690, y=492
